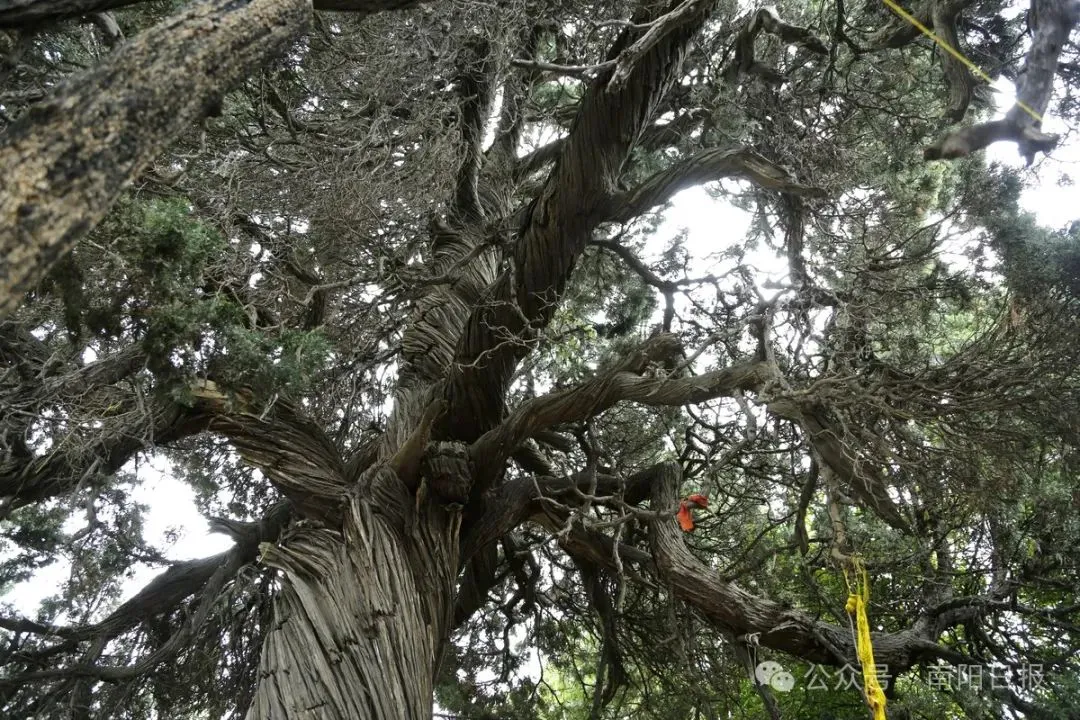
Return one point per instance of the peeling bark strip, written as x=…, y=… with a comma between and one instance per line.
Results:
x=69, y=157
x=284, y=444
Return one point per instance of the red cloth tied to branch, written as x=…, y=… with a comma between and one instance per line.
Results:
x=684, y=516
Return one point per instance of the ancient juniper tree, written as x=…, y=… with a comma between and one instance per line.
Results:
x=386, y=289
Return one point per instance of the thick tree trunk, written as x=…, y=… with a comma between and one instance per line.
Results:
x=361, y=619
x=29, y=13
x=70, y=156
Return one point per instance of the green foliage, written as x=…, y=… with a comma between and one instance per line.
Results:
x=30, y=544
x=912, y=308
x=157, y=283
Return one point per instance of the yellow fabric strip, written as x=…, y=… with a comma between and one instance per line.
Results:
x=954, y=52
x=858, y=597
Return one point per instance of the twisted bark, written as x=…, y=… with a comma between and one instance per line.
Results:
x=1052, y=21
x=501, y=329
x=361, y=620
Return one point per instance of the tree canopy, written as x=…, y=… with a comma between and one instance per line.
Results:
x=391, y=286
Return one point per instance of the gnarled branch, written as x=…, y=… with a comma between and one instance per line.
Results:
x=766, y=20
x=736, y=611
x=707, y=166
x=286, y=446
x=957, y=78
x=31, y=479
x=205, y=578
x=499, y=332
x=1053, y=21
x=624, y=382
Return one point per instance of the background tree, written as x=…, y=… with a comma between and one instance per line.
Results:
x=395, y=312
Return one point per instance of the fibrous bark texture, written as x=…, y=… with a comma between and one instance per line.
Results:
x=360, y=621
x=23, y=13
x=76, y=151
x=383, y=232
x=568, y=208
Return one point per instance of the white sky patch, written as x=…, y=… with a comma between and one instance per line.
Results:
x=171, y=523
x=178, y=519
x=26, y=597
x=1050, y=195
x=711, y=226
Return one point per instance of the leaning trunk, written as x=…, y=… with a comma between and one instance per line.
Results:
x=70, y=156
x=361, y=618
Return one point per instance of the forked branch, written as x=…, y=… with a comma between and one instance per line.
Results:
x=1053, y=21
x=558, y=225
x=204, y=579
x=623, y=382
x=766, y=20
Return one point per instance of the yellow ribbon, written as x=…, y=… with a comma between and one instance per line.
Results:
x=858, y=597
x=954, y=52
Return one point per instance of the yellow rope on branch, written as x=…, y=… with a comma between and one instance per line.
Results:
x=858, y=597
x=954, y=52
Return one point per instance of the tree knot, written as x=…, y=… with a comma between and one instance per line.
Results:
x=448, y=470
